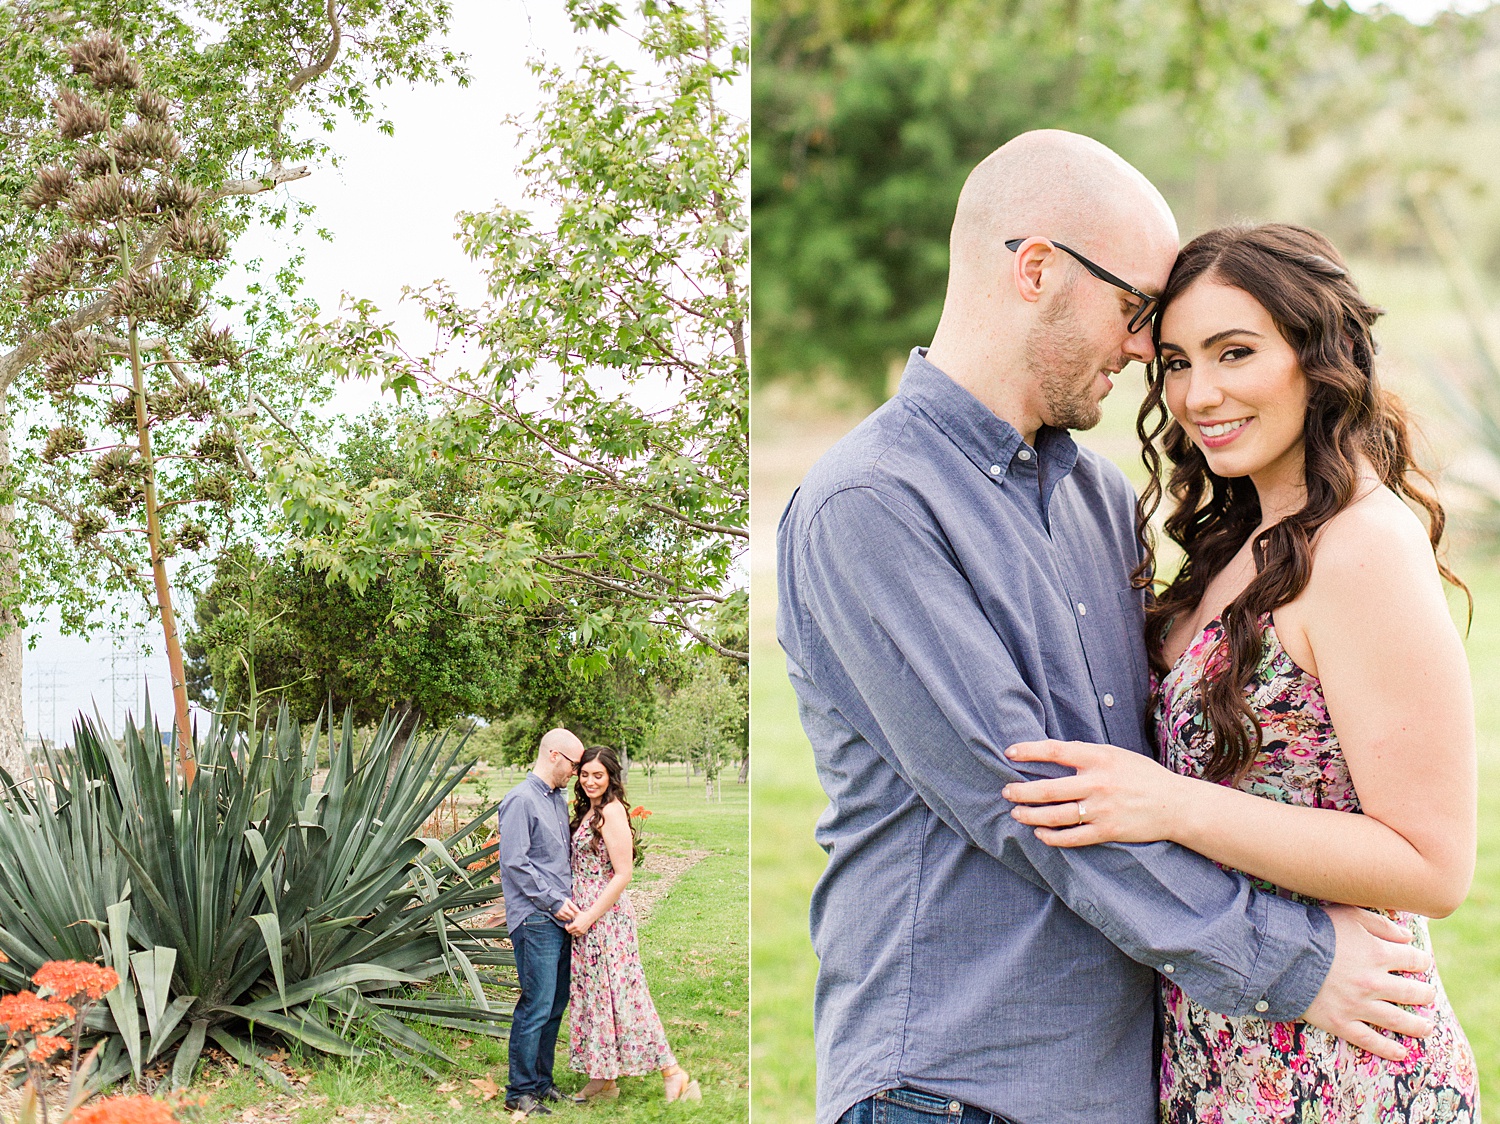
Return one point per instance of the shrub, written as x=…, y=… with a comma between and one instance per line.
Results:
x=249, y=909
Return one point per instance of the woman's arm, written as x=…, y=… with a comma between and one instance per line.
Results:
x=1375, y=628
x=617, y=841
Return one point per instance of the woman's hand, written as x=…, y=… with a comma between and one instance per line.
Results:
x=1115, y=795
x=582, y=923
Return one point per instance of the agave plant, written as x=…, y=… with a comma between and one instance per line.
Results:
x=251, y=909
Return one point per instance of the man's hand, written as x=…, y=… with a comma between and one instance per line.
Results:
x=567, y=911
x=581, y=924
x=1363, y=987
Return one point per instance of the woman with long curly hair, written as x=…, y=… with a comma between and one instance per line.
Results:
x=1311, y=700
x=615, y=1030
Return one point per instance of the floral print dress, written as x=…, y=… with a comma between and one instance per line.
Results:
x=614, y=1030
x=1218, y=1069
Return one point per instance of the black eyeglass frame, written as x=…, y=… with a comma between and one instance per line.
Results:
x=1138, y=319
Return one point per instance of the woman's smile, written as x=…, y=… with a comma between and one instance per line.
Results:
x=1215, y=435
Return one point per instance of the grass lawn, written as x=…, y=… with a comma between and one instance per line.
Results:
x=786, y=863
x=694, y=946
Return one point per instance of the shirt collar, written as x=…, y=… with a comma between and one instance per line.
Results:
x=989, y=442
x=547, y=788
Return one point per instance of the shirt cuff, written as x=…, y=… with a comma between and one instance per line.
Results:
x=1296, y=952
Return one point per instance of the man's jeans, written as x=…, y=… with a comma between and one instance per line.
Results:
x=544, y=954
x=909, y=1106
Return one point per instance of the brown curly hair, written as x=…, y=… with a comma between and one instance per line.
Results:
x=1299, y=278
x=615, y=791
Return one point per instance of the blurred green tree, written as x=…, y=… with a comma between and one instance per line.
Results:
x=274, y=626
x=703, y=719
x=870, y=113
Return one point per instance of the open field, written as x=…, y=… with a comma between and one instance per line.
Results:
x=792, y=428
x=694, y=945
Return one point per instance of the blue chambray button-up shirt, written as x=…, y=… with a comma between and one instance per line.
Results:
x=535, y=864
x=946, y=591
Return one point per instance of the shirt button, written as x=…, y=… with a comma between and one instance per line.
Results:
x=1024, y=454
x=955, y=1106
x=996, y=470
x=1169, y=968
x=1083, y=610
x=1262, y=1006
x=1109, y=700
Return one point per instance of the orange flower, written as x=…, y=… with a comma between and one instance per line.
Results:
x=47, y=1045
x=24, y=1013
x=4, y=959
x=639, y=812
x=125, y=1110
x=70, y=979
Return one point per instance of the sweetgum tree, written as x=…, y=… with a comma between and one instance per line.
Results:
x=598, y=397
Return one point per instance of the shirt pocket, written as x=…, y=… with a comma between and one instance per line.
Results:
x=1133, y=619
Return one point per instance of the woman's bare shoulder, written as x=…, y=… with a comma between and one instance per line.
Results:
x=1376, y=538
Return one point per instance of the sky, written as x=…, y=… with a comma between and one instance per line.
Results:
x=390, y=206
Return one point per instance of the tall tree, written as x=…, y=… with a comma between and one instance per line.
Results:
x=121, y=190
x=703, y=720
x=600, y=393
x=231, y=77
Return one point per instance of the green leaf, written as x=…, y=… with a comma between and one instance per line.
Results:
x=153, y=975
x=122, y=999
x=188, y=1054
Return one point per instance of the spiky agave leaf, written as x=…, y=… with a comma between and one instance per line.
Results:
x=274, y=911
x=147, y=142
x=102, y=56
x=50, y=188
x=77, y=117
x=151, y=106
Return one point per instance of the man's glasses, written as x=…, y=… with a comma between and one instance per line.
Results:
x=1138, y=319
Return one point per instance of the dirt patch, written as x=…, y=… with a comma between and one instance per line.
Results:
x=670, y=866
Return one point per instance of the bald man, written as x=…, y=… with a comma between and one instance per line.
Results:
x=955, y=578
x=537, y=876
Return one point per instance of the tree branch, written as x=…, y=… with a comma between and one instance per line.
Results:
x=128, y=571
x=274, y=176
x=320, y=68
x=727, y=653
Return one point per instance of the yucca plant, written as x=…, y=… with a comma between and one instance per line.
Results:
x=251, y=910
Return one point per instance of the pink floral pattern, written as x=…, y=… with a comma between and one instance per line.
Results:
x=614, y=1030
x=1218, y=1069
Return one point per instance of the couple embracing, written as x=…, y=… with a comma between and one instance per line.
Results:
x=1085, y=846
x=573, y=933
